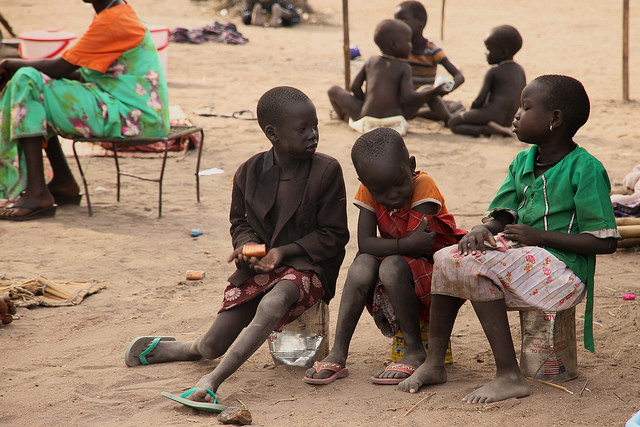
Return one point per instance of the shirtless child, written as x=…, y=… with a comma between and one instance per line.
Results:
x=388, y=84
x=493, y=110
x=292, y=200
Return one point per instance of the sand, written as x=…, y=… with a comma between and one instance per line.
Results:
x=64, y=365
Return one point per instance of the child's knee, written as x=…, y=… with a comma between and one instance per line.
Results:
x=363, y=269
x=211, y=348
x=394, y=269
x=277, y=301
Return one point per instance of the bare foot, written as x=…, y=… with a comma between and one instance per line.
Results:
x=276, y=16
x=501, y=388
x=256, y=15
x=500, y=130
x=424, y=375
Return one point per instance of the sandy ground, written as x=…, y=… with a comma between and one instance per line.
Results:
x=64, y=366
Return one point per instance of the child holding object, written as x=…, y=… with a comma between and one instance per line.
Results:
x=392, y=273
x=554, y=213
x=388, y=84
x=293, y=200
x=492, y=111
x=424, y=59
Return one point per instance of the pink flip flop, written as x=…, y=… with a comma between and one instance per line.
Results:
x=339, y=372
x=395, y=367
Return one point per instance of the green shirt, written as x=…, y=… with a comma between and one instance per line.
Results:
x=570, y=197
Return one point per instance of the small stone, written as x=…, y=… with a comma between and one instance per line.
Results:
x=235, y=415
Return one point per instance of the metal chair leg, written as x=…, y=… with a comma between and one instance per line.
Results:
x=84, y=179
x=198, y=165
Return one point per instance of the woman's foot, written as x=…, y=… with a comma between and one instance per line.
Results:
x=424, y=375
x=501, y=388
x=57, y=188
x=28, y=206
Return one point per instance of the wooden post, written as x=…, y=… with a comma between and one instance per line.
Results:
x=6, y=25
x=625, y=50
x=442, y=20
x=345, y=44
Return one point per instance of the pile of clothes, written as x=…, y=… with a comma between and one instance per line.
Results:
x=628, y=204
x=216, y=32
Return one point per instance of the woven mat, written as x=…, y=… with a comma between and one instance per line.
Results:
x=48, y=293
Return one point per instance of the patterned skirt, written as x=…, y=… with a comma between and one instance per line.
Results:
x=527, y=277
x=379, y=304
x=307, y=281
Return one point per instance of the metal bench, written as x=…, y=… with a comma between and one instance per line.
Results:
x=174, y=132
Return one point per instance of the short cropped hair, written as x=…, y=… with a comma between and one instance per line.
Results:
x=376, y=145
x=386, y=30
x=416, y=9
x=508, y=37
x=566, y=94
x=271, y=105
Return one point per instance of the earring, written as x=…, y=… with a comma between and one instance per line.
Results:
x=550, y=128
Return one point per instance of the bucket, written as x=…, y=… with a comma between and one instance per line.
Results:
x=397, y=345
x=160, y=36
x=43, y=44
x=303, y=341
x=549, y=350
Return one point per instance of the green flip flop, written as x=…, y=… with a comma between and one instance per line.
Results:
x=140, y=347
x=201, y=406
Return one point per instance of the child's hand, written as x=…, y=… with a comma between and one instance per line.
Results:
x=241, y=260
x=525, y=234
x=419, y=241
x=443, y=88
x=474, y=240
x=269, y=262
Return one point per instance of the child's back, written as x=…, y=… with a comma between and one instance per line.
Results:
x=385, y=76
x=388, y=84
x=506, y=83
x=495, y=106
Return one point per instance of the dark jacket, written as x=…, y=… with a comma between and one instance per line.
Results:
x=314, y=215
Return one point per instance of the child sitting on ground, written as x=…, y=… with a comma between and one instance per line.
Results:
x=493, y=110
x=392, y=273
x=293, y=200
x=388, y=81
x=424, y=60
x=553, y=209
x=281, y=13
